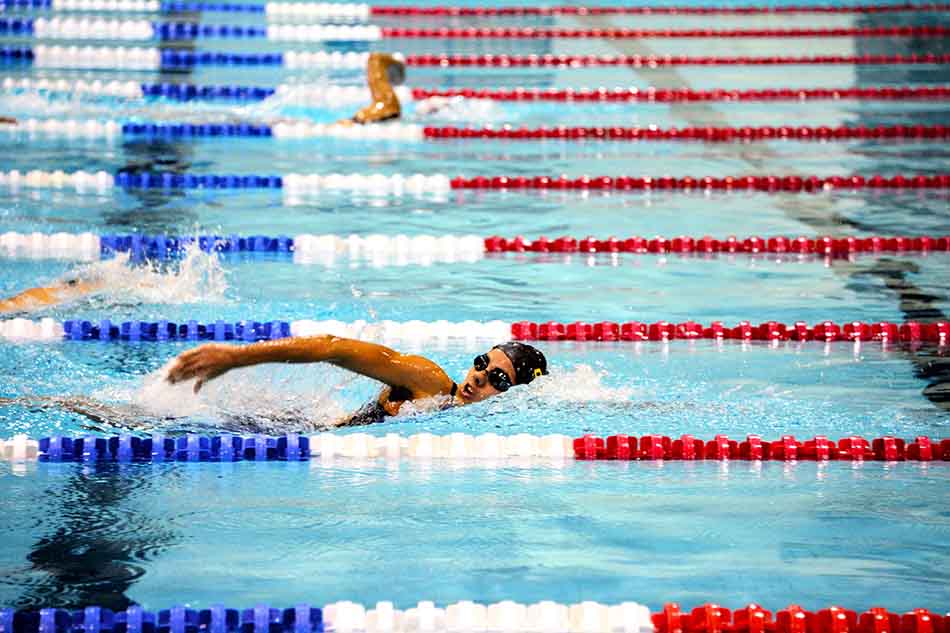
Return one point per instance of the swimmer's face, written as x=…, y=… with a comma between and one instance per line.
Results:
x=478, y=384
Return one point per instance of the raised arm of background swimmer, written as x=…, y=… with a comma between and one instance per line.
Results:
x=382, y=72
x=419, y=375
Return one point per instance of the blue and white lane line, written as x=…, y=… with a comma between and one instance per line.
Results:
x=307, y=94
x=408, y=332
x=314, y=11
x=76, y=28
x=112, y=130
x=102, y=182
x=391, y=250
x=153, y=58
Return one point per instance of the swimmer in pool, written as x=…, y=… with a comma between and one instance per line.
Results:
x=407, y=377
x=6, y=120
x=46, y=296
x=383, y=71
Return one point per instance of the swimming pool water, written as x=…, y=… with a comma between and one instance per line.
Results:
x=867, y=535
x=859, y=535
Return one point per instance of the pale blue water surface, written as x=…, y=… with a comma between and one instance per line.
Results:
x=856, y=535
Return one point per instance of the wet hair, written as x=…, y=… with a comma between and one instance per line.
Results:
x=528, y=361
x=396, y=73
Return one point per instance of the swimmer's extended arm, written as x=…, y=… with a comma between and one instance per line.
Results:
x=385, y=103
x=7, y=119
x=418, y=374
x=46, y=296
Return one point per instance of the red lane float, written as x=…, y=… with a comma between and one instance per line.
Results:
x=549, y=33
x=769, y=184
x=655, y=61
x=786, y=448
x=712, y=618
x=772, y=331
x=679, y=95
x=825, y=246
x=704, y=134
x=486, y=12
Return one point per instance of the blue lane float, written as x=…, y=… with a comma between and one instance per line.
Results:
x=166, y=246
x=164, y=7
x=26, y=4
x=216, y=619
x=16, y=55
x=191, y=92
x=105, y=330
x=179, y=130
x=188, y=59
x=16, y=26
x=205, y=7
x=151, y=180
x=160, y=448
x=175, y=31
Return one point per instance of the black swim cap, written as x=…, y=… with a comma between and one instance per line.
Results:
x=528, y=361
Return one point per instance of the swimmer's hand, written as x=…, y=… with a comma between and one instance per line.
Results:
x=203, y=363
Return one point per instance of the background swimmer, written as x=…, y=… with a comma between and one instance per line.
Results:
x=45, y=296
x=383, y=71
x=197, y=276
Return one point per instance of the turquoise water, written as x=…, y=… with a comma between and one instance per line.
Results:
x=856, y=535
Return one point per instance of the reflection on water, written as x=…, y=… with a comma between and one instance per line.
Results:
x=730, y=532
x=89, y=548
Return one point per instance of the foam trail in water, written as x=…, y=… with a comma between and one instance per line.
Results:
x=196, y=277
x=260, y=400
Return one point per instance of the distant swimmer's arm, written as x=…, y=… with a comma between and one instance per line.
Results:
x=8, y=120
x=382, y=70
x=418, y=374
x=42, y=297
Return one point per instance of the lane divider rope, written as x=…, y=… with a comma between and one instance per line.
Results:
x=315, y=94
x=144, y=58
x=707, y=134
x=310, y=248
x=677, y=95
x=296, y=447
x=353, y=11
x=343, y=617
x=410, y=11
x=118, y=29
x=787, y=448
x=111, y=130
x=884, y=332
x=439, y=184
x=541, y=617
x=75, y=28
x=555, y=33
x=651, y=61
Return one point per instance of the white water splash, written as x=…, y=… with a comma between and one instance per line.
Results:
x=459, y=110
x=260, y=400
x=198, y=277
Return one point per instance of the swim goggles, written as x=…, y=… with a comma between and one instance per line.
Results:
x=497, y=377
